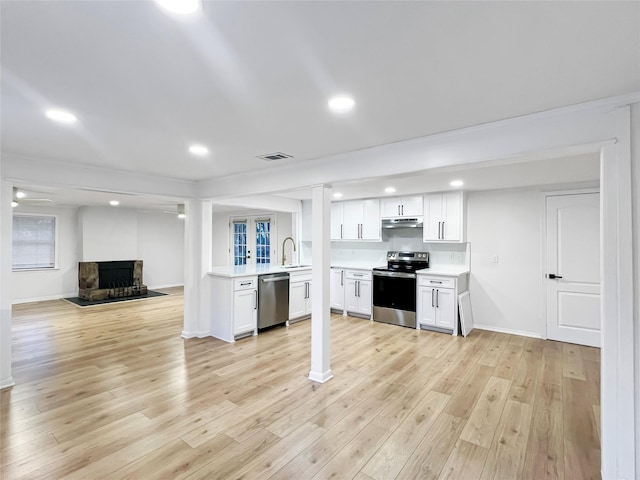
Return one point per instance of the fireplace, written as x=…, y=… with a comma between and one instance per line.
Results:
x=115, y=279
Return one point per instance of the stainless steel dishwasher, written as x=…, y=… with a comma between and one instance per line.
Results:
x=273, y=299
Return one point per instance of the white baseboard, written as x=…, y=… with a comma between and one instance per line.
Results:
x=186, y=334
x=320, y=377
x=7, y=382
x=45, y=298
x=507, y=330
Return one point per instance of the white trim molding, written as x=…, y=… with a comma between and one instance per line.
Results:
x=508, y=331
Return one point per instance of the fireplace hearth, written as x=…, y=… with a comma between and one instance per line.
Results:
x=114, y=279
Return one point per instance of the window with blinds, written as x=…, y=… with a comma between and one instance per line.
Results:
x=34, y=242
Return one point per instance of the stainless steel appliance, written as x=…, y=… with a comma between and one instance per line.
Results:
x=394, y=288
x=273, y=299
x=415, y=222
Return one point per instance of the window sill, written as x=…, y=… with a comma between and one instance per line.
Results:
x=35, y=270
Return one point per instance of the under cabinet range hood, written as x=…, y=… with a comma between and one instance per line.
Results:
x=413, y=222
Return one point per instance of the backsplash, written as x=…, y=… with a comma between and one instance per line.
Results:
x=376, y=252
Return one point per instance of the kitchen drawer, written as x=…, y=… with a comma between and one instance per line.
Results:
x=300, y=276
x=358, y=274
x=244, y=283
x=442, y=282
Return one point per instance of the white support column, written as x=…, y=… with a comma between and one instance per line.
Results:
x=197, y=262
x=321, y=261
x=617, y=357
x=6, y=225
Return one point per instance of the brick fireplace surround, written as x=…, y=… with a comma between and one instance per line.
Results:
x=116, y=279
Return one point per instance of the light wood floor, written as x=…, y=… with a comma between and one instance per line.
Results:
x=114, y=392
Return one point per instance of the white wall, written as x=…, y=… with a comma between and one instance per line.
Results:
x=635, y=167
x=506, y=295
x=161, y=248
x=29, y=286
x=108, y=233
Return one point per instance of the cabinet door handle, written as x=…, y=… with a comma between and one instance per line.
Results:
x=255, y=303
x=435, y=281
x=398, y=209
x=245, y=283
x=443, y=230
x=341, y=230
x=342, y=278
x=402, y=209
x=437, y=298
x=433, y=290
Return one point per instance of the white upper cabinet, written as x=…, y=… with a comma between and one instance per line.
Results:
x=396, y=207
x=356, y=220
x=443, y=217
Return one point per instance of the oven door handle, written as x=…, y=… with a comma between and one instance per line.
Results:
x=394, y=274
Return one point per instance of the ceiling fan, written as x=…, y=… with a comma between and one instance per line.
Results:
x=21, y=198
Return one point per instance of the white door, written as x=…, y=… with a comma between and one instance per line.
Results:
x=297, y=300
x=352, y=219
x=244, y=311
x=411, y=206
x=573, y=268
x=337, y=288
x=452, y=216
x=337, y=214
x=426, y=309
x=445, y=308
x=432, y=217
x=370, y=229
x=350, y=296
x=364, y=297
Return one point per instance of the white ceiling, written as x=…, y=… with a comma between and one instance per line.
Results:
x=249, y=78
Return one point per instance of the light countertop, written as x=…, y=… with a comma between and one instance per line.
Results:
x=445, y=270
x=355, y=265
x=232, y=271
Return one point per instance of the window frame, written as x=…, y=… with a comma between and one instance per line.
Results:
x=55, y=240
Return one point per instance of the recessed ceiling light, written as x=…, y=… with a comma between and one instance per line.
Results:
x=14, y=204
x=20, y=194
x=114, y=203
x=341, y=104
x=181, y=7
x=390, y=190
x=457, y=183
x=199, y=150
x=61, y=116
x=337, y=195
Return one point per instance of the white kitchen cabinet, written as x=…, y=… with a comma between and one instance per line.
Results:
x=398, y=207
x=443, y=217
x=235, y=306
x=357, y=292
x=356, y=220
x=437, y=305
x=244, y=311
x=337, y=289
x=299, y=295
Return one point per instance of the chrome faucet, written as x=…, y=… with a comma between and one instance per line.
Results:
x=293, y=242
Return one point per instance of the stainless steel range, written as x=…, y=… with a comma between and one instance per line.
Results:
x=394, y=288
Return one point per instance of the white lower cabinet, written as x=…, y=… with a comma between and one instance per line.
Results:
x=235, y=306
x=245, y=310
x=357, y=292
x=337, y=289
x=299, y=295
x=437, y=305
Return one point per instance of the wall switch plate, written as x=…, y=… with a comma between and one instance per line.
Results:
x=494, y=259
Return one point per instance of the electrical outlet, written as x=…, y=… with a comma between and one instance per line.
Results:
x=494, y=259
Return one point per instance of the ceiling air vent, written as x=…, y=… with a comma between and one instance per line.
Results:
x=270, y=157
